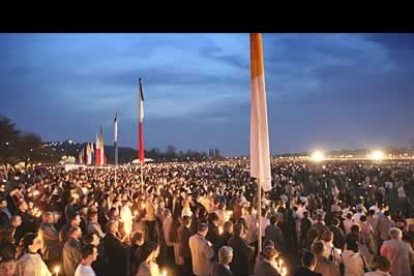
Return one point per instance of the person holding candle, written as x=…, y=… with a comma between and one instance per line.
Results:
x=146, y=259
x=30, y=263
x=93, y=226
x=115, y=249
x=201, y=252
x=50, y=240
x=71, y=253
x=267, y=265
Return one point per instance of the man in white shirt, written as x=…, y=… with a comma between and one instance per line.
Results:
x=201, y=251
x=89, y=255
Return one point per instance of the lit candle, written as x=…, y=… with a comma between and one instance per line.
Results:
x=280, y=263
x=56, y=270
x=221, y=230
x=283, y=271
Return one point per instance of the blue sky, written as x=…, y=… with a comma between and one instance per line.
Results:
x=328, y=91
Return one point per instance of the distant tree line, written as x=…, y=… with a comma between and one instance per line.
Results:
x=17, y=146
x=168, y=155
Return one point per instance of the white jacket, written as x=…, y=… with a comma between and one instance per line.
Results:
x=32, y=265
x=201, y=254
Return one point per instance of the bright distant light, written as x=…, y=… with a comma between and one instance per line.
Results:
x=377, y=155
x=317, y=156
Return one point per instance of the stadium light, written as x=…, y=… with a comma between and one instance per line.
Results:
x=317, y=156
x=377, y=155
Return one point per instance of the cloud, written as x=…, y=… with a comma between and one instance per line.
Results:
x=197, y=87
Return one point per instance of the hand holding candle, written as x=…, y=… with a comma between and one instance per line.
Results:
x=56, y=270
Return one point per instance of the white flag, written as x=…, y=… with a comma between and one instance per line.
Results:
x=259, y=132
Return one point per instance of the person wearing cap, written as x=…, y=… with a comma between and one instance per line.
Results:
x=399, y=252
x=50, y=239
x=201, y=251
x=225, y=257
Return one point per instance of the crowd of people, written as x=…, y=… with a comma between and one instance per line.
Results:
x=201, y=218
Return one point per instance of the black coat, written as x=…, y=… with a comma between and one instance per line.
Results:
x=213, y=234
x=117, y=254
x=221, y=270
x=241, y=256
x=303, y=271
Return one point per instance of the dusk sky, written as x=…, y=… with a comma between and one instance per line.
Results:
x=326, y=91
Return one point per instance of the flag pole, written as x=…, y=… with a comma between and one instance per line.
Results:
x=116, y=143
x=259, y=133
x=141, y=152
x=259, y=214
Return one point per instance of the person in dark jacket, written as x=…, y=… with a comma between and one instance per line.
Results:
x=73, y=221
x=227, y=234
x=274, y=233
x=242, y=252
x=213, y=234
x=308, y=265
x=305, y=225
x=115, y=249
x=184, y=251
x=222, y=268
x=28, y=222
x=339, y=235
x=5, y=214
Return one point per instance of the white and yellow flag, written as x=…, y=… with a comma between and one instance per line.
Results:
x=259, y=131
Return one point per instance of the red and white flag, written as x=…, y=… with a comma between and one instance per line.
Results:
x=141, y=155
x=259, y=132
x=102, y=148
x=98, y=151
